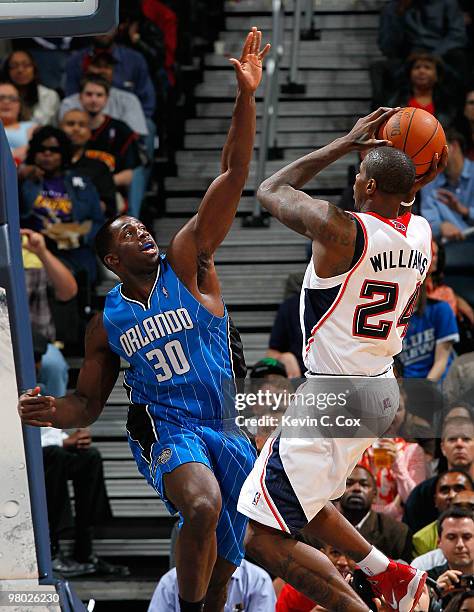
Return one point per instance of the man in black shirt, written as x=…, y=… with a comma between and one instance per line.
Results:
x=112, y=141
x=76, y=125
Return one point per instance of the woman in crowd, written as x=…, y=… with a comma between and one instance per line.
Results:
x=18, y=132
x=437, y=289
x=403, y=467
x=424, y=88
x=60, y=203
x=39, y=104
x=465, y=122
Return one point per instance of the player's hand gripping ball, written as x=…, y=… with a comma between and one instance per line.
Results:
x=417, y=133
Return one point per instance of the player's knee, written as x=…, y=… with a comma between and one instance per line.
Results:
x=202, y=514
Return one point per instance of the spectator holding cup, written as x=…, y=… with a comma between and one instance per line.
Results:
x=397, y=465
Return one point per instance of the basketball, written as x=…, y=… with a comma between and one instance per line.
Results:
x=417, y=133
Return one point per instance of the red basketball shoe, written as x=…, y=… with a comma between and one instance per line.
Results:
x=400, y=585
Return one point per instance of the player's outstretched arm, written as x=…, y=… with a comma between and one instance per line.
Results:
x=281, y=196
x=97, y=378
x=201, y=236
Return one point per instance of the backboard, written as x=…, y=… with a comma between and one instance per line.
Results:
x=27, y=18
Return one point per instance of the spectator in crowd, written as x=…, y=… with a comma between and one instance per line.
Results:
x=436, y=26
x=45, y=272
x=166, y=20
x=286, y=339
x=75, y=123
x=448, y=201
x=456, y=540
x=428, y=344
x=432, y=558
x=72, y=457
x=126, y=106
x=462, y=602
x=465, y=123
x=60, y=203
x=51, y=55
x=404, y=466
x=447, y=486
x=38, y=103
x=121, y=104
x=250, y=589
x=392, y=537
x=130, y=71
x=423, y=88
x=437, y=289
x=459, y=383
x=112, y=141
x=457, y=446
x=291, y=600
x=18, y=132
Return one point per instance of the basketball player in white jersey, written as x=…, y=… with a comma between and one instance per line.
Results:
x=357, y=297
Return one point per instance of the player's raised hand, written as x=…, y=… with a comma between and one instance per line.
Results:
x=249, y=67
x=438, y=164
x=364, y=133
x=35, y=409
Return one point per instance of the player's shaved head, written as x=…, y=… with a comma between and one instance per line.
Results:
x=393, y=171
x=103, y=243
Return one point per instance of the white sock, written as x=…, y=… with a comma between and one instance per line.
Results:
x=375, y=562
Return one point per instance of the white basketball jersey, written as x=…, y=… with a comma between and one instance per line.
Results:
x=354, y=323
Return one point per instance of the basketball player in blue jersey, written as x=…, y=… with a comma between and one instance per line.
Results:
x=358, y=293
x=168, y=320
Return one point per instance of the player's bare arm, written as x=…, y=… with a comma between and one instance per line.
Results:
x=319, y=220
x=97, y=378
x=191, y=250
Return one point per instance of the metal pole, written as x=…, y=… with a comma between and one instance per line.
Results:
x=295, y=43
x=270, y=107
x=292, y=86
x=308, y=16
x=275, y=91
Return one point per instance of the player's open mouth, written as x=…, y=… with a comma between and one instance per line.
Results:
x=149, y=247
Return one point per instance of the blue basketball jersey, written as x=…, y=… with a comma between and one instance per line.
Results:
x=179, y=353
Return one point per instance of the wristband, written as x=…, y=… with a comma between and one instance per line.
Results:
x=408, y=203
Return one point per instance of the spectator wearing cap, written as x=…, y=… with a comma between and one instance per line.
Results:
x=121, y=104
x=39, y=104
x=130, y=71
x=448, y=485
x=392, y=537
x=60, y=203
x=111, y=141
x=75, y=124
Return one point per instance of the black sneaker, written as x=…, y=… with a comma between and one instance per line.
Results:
x=108, y=569
x=68, y=567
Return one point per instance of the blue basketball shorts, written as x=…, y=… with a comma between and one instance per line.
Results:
x=228, y=454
